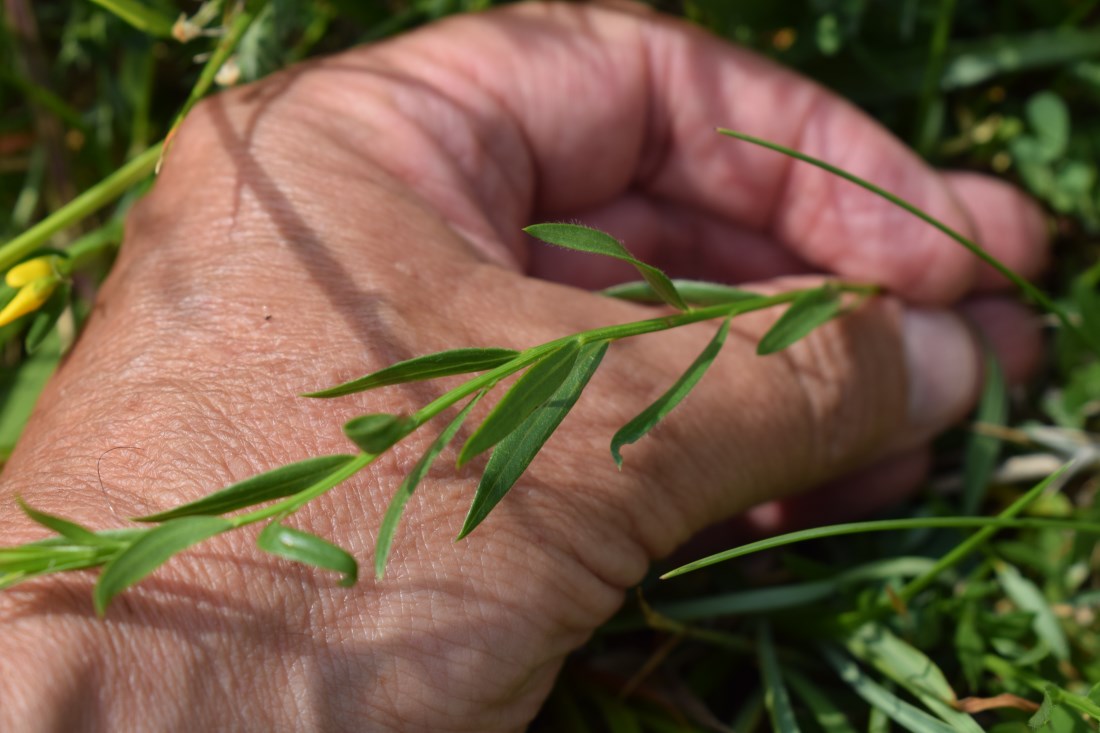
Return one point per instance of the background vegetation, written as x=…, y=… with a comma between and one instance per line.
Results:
x=1010, y=87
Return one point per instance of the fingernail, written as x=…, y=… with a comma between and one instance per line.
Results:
x=944, y=369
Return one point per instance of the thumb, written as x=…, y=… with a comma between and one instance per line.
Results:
x=882, y=379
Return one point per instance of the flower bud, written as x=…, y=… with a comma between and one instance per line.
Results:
x=31, y=270
x=30, y=298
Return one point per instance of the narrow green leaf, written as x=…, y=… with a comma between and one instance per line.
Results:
x=694, y=292
x=376, y=433
x=140, y=16
x=42, y=322
x=982, y=450
x=901, y=712
x=308, y=549
x=515, y=452
x=151, y=551
x=650, y=416
x=1027, y=597
x=274, y=484
x=397, y=504
x=64, y=527
x=911, y=669
x=431, y=366
x=827, y=715
x=530, y=392
x=969, y=644
x=585, y=239
x=813, y=308
x=1094, y=694
x=775, y=691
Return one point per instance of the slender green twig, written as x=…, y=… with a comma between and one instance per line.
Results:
x=1033, y=293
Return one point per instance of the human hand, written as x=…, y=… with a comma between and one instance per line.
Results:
x=365, y=209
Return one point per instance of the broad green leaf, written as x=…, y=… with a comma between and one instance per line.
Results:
x=901, y=712
x=432, y=366
x=1042, y=715
x=64, y=527
x=141, y=16
x=397, y=504
x=529, y=393
x=650, y=416
x=274, y=484
x=585, y=239
x=827, y=715
x=775, y=691
x=515, y=452
x=813, y=308
x=912, y=669
x=376, y=433
x=694, y=292
x=151, y=551
x=1027, y=597
x=308, y=549
x=982, y=450
x=42, y=322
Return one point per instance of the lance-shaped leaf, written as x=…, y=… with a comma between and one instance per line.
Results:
x=1027, y=597
x=528, y=394
x=824, y=710
x=585, y=239
x=268, y=486
x=308, y=549
x=64, y=527
x=151, y=551
x=432, y=366
x=650, y=416
x=46, y=316
x=813, y=308
x=775, y=691
x=397, y=504
x=145, y=18
x=377, y=432
x=515, y=452
x=695, y=292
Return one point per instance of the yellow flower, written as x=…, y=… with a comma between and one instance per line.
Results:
x=36, y=280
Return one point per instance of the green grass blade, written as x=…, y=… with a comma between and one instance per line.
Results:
x=1036, y=295
x=397, y=504
x=1027, y=597
x=515, y=452
x=813, y=308
x=776, y=697
x=593, y=241
x=650, y=416
x=308, y=549
x=146, y=19
x=431, y=366
x=901, y=712
x=274, y=484
x=979, y=538
x=982, y=450
x=375, y=433
x=827, y=715
x=64, y=527
x=911, y=669
x=694, y=292
x=151, y=551
x=529, y=393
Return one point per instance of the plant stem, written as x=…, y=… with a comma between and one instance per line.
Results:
x=84, y=205
x=1037, y=296
x=1005, y=669
x=937, y=54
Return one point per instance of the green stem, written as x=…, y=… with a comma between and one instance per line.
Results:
x=910, y=590
x=1005, y=669
x=937, y=54
x=241, y=21
x=84, y=205
x=1037, y=296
